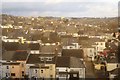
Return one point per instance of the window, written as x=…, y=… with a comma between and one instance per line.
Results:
x=6, y=75
x=12, y=66
x=12, y=74
x=41, y=71
x=7, y=67
x=90, y=50
x=101, y=43
x=49, y=59
x=35, y=71
x=22, y=73
x=51, y=76
x=42, y=59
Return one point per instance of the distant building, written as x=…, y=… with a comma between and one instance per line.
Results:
x=72, y=46
x=48, y=49
x=69, y=42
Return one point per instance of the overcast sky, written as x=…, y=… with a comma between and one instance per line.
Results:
x=64, y=8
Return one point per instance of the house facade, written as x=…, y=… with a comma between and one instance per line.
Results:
x=89, y=52
x=43, y=66
x=66, y=68
x=14, y=64
x=13, y=70
x=100, y=46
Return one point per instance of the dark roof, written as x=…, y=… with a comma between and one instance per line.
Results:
x=34, y=46
x=83, y=38
x=71, y=29
x=72, y=53
x=112, y=60
x=36, y=36
x=48, y=48
x=51, y=37
x=10, y=46
x=71, y=62
x=23, y=47
x=35, y=59
x=46, y=34
x=38, y=27
x=69, y=40
x=47, y=40
x=8, y=55
x=63, y=61
x=20, y=55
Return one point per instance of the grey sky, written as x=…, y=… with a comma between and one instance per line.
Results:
x=61, y=8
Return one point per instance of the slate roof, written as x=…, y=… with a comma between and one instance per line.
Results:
x=48, y=48
x=8, y=55
x=71, y=62
x=24, y=46
x=10, y=46
x=20, y=55
x=34, y=46
x=68, y=40
x=46, y=40
x=35, y=59
x=63, y=61
x=73, y=53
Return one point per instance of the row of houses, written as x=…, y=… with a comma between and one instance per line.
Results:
x=39, y=59
x=49, y=55
x=17, y=64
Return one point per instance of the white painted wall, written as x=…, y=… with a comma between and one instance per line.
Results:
x=5, y=70
x=111, y=66
x=89, y=52
x=100, y=47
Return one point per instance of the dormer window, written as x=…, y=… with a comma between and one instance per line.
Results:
x=7, y=67
x=46, y=58
x=49, y=59
x=41, y=58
